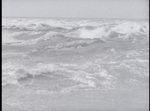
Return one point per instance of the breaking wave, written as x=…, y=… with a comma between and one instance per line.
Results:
x=84, y=53
x=90, y=74
x=30, y=31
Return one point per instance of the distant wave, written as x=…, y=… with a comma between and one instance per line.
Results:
x=23, y=32
x=75, y=29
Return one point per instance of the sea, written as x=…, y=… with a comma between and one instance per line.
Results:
x=60, y=64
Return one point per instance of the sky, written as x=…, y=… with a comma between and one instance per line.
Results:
x=76, y=8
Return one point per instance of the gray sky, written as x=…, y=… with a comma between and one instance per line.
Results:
x=76, y=8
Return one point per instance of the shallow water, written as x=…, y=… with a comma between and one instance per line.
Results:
x=75, y=65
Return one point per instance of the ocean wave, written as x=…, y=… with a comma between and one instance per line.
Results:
x=13, y=72
x=75, y=29
x=87, y=29
x=117, y=43
x=98, y=73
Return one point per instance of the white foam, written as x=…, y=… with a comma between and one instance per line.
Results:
x=8, y=38
x=91, y=34
x=99, y=29
x=104, y=32
x=84, y=78
x=12, y=72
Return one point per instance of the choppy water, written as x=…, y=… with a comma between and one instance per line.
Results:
x=75, y=65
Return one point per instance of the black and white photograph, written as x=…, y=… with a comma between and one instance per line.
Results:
x=75, y=55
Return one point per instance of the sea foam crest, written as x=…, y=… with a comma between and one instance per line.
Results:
x=74, y=29
x=12, y=72
x=125, y=29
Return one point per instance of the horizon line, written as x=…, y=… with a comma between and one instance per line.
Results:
x=76, y=17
